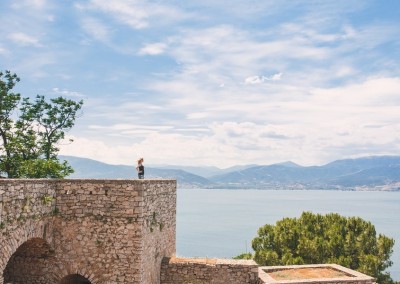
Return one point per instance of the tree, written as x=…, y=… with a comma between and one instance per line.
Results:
x=31, y=131
x=314, y=238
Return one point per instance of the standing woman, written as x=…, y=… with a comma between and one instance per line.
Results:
x=140, y=168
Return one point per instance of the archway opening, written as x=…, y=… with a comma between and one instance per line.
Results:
x=75, y=279
x=30, y=263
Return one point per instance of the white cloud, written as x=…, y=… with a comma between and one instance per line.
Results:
x=134, y=13
x=95, y=149
x=96, y=29
x=153, y=49
x=233, y=53
x=50, y=18
x=344, y=71
x=38, y=3
x=314, y=125
x=338, y=95
x=374, y=92
x=35, y=4
x=24, y=39
x=349, y=32
x=67, y=93
x=126, y=126
x=156, y=149
x=315, y=128
x=37, y=66
x=3, y=50
x=261, y=79
x=276, y=77
x=196, y=115
x=129, y=12
x=302, y=118
x=254, y=80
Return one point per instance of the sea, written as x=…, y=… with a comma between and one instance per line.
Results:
x=221, y=223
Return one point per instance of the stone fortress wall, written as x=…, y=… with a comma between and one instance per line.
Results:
x=105, y=232
x=100, y=231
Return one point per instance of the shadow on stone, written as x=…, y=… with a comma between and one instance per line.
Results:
x=74, y=279
x=28, y=264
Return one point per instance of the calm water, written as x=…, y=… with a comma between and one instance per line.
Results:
x=222, y=223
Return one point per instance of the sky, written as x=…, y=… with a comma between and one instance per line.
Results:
x=212, y=82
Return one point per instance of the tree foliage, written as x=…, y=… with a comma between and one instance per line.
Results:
x=30, y=132
x=314, y=238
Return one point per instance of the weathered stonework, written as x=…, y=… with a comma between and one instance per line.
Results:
x=108, y=231
x=207, y=271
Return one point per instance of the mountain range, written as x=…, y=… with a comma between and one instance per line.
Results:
x=366, y=173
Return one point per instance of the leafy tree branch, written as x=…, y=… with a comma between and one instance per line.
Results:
x=31, y=131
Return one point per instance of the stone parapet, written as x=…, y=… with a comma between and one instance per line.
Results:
x=204, y=270
x=21, y=200
x=159, y=228
x=107, y=231
x=116, y=232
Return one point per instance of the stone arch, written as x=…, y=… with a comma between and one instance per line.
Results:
x=74, y=279
x=30, y=263
x=30, y=257
x=32, y=244
x=13, y=237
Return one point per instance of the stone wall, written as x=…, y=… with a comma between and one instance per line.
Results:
x=25, y=214
x=22, y=200
x=216, y=271
x=37, y=269
x=159, y=233
x=108, y=231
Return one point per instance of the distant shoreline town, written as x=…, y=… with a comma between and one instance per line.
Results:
x=377, y=173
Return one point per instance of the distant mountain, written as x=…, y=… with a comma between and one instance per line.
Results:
x=364, y=162
x=368, y=173
x=88, y=168
x=289, y=164
x=376, y=176
x=207, y=171
x=374, y=173
x=200, y=171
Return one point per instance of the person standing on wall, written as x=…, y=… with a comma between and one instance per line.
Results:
x=140, y=168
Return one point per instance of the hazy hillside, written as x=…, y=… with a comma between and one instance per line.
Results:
x=87, y=168
x=369, y=173
x=382, y=172
x=206, y=171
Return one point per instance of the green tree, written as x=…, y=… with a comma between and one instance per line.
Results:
x=31, y=131
x=314, y=238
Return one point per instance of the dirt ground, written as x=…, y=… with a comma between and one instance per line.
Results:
x=306, y=273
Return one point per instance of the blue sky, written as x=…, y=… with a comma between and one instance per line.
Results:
x=217, y=83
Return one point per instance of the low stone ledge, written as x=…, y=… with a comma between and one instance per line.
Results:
x=177, y=270
x=347, y=276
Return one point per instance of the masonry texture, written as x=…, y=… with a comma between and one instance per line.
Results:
x=216, y=271
x=102, y=231
x=108, y=232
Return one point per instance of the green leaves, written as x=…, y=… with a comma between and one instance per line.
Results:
x=244, y=256
x=54, y=118
x=331, y=238
x=28, y=143
x=43, y=168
